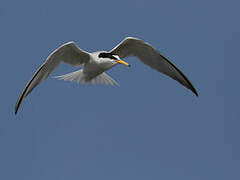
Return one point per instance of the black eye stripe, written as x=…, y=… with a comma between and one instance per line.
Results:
x=107, y=55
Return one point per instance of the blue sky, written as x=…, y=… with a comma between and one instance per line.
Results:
x=148, y=128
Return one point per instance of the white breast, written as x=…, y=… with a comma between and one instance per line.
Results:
x=97, y=65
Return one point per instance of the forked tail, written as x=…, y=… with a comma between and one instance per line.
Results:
x=80, y=77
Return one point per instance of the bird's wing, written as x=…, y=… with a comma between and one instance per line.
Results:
x=69, y=53
x=151, y=57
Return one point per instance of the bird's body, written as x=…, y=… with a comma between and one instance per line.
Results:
x=95, y=64
x=93, y=70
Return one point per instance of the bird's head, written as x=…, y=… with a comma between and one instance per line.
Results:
x=112, y=58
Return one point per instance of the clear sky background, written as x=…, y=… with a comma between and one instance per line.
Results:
x=148, y=128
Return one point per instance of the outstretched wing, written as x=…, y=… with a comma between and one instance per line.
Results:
x=151, y=57
x=69, y=53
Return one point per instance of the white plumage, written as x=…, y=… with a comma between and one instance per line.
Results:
x=78, y=76
x=95, y=64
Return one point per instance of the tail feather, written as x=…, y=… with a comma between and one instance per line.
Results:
x=80, y=77
x=73, y=76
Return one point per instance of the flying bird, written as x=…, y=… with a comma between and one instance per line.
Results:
x=95, y=64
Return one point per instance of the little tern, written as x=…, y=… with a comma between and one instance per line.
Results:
x=95, y=64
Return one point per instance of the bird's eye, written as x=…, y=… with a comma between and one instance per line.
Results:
x=107, y=55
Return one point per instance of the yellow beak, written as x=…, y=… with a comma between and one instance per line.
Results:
x=123, y=62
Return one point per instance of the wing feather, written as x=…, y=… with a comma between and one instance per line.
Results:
x=148, y=55
x=69, y=53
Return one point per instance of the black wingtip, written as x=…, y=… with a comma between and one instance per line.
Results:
x=195, y=92
x=16, y=109
x=191, y=87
